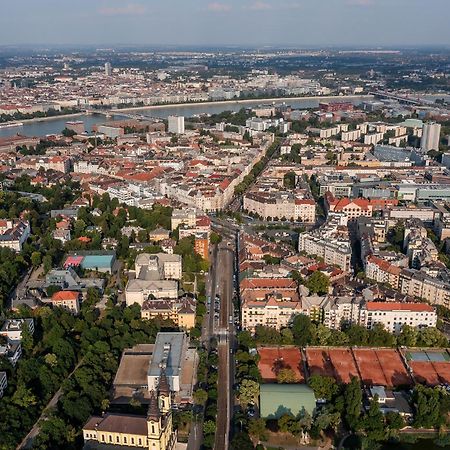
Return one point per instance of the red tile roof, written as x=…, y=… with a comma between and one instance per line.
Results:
x=396, y=306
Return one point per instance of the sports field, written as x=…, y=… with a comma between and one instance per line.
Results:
x=273, y=359
x=430, y=366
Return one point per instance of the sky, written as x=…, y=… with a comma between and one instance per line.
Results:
x=301, y=23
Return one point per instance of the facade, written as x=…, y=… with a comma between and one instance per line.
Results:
x=168, y=355
x=14, y=233
x=201, y=245
x=281, y=205
x=276, y=310
x=154, y=432
x=431, y=136
x=183, y=217
x=156, y=275
x=69, y=300
x=176, y=124
x=12, y=328
x=393, y=315
x=333, y=251
x=181, y=311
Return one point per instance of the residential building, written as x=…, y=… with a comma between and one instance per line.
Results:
x=13, y=328
x=14, y=233
x=281, y=205
x=69, y=300
x=181, y=311
x=176, y=124
x=330, y=242
x=393, y=316
x=275, y=310
x=430, y=136
x=183, y=217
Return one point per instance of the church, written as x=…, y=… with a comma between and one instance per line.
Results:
x=154, y=432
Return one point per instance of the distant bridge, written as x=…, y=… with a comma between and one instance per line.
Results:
x=118, y=112
x=402, y=99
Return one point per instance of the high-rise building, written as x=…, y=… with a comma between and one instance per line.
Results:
x=176, y=124
x=108, y=69
x=430, y=136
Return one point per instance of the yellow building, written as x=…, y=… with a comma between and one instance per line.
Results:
x=154, y=432
x=181, y=311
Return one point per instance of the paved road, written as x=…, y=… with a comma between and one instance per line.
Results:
x=225, y=334
x=196, y=434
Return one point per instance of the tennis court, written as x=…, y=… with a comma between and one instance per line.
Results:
x=424, y=373
x=343, y=363
x=392, y=365
x=319, y=362
x=273, y=359
x=369, y=367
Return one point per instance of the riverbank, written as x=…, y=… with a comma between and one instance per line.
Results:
x=246, y=101
x=44, y=119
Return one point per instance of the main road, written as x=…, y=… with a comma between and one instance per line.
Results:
x=225, y=333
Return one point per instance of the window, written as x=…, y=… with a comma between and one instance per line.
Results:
x=132, y=440
x=124, y=440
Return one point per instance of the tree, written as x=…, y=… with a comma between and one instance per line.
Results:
x=394, y=422
x=215, y=238
x=248, y=392
x=431, y=337
x=353, y=402
x=289, y=180
x=36, y=259
x=318, y=283
x=380, y=337
x=241, y=441
x=200, y=397
x=287, y=376
x=257, y=427
x=358, y=335
x=302, y=329
x=209, y=427
x=324, y=387
x=373, y=421
x=408, y=336
x=287, y=338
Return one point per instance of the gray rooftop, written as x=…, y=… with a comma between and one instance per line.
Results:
x=168, y=352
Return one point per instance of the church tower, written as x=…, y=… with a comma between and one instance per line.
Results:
x=154, y=423
x=164, y=394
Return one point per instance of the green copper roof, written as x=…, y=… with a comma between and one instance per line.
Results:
x=279, y=399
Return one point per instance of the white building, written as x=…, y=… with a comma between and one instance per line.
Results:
x=431, y=136
x=168, y=354
x=156, y=275
x=108, y=69
x=13, y=328
x=14, y=233
x=176, y=124
x=393, y=315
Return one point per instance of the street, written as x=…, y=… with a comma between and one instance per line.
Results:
x=225, y=334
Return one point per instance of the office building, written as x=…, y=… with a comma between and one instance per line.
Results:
x=108, y=69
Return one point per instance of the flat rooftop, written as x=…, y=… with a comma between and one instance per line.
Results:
x=168, y=352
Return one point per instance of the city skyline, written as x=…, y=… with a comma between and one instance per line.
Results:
x=302, y=23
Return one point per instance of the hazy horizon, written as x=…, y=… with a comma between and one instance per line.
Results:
x=227, y=23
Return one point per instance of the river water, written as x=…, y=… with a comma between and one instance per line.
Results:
x=56, y=125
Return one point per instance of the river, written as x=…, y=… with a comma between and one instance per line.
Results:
x=57, y=124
